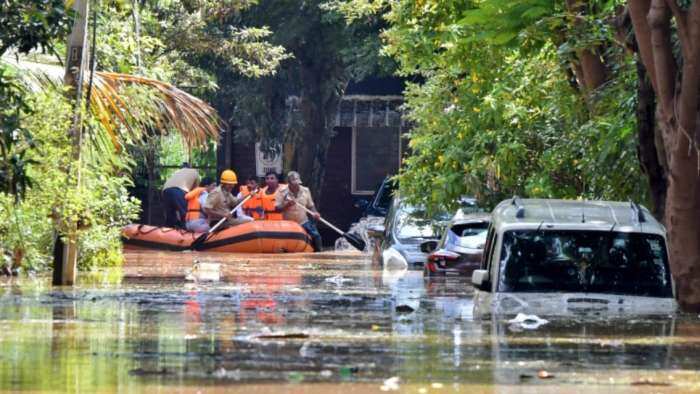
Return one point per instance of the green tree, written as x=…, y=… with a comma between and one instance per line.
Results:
x=326, y=54
x=511, y=102
x=29, y=24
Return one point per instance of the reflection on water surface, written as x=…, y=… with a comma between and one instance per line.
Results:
x=322, y=324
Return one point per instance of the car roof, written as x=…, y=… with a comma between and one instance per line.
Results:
x=575, y=214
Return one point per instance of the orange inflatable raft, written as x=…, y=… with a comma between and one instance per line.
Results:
x=278, y=236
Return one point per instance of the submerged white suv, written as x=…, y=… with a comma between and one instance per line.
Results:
x=557, y=257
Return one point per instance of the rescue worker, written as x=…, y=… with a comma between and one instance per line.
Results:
x=289, y=201
x=269, y=197
x=253, y=207
x=174, y=190
x=196, y=220
x=220, y=202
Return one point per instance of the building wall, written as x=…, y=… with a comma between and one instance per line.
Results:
x=336, y=199
x=243, y=160
x=375, y=124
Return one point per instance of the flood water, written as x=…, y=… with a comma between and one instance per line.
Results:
x=333, y=323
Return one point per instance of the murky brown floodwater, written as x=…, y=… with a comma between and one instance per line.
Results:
x=327, y=324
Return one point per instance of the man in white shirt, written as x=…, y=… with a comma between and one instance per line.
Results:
x=174, y=190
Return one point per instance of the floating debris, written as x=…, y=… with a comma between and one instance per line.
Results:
x=284, y=335
x=338, y=280
x=145, y=372
x=542, y=374
x=204, y=272
x=391, y=384
x=295, y=377
x=223, y=373
x=527, y=322
x=404, y=309
x=649, y=382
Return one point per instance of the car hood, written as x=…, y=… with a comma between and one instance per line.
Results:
x=576, y=304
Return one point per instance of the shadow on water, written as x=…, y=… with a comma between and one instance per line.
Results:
x=313, y=324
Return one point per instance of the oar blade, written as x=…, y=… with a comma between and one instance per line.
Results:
x=199, y=242
x=355, y=241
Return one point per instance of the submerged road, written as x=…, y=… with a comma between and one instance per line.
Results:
x=321, y=323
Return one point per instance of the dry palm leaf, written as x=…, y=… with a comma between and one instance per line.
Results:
x=129, y=106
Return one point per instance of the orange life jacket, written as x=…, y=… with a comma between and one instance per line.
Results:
x=254, y=206
x=194, y=208
x=268, y=204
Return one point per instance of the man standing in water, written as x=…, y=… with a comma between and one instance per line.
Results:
x=180, y=183
x=220, y=202
x=291, y=200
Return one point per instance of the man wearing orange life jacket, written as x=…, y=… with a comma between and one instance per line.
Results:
x=195, y=219
x=253, y=208
x=269, y=197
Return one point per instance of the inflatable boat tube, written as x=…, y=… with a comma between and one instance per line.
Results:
x=278, y=236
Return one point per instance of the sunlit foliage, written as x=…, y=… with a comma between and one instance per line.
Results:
x=499, y=110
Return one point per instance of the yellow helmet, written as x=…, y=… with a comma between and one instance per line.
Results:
x=229, y=177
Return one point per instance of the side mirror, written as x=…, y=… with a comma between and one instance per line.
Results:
x=428, y=246
x=480, y=280
x=361, y=204
x=376, y=231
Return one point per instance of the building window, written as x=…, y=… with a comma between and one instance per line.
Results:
x=376, y=153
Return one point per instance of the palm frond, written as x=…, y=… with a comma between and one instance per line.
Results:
x=130, y=106
x=169, y=108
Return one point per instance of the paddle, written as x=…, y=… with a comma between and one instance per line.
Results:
x=352, y=239
x=199, y=242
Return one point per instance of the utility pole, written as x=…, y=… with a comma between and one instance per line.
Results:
x=76, y=61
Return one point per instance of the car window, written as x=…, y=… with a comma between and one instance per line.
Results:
x=408, y=226
x=389, y=218
x=412, y=222
x=467, y=235
x=584, y=261
x=386, y=194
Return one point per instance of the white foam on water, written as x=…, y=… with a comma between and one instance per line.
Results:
x=360, y=229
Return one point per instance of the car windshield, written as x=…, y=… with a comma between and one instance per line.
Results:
x=412, y=222
x=584, y=261
x=467, y=235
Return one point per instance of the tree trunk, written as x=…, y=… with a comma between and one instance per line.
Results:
x=136, y=15
x=677, y=114
x=591, y=72
x=649, y=157
x=76, y=60
x=682, y=213
x=318, y=106
x=593, y=69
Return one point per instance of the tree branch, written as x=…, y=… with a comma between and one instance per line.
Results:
x=638, y=10
x=688, y=103
x=665, y=68
x=682, y=24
